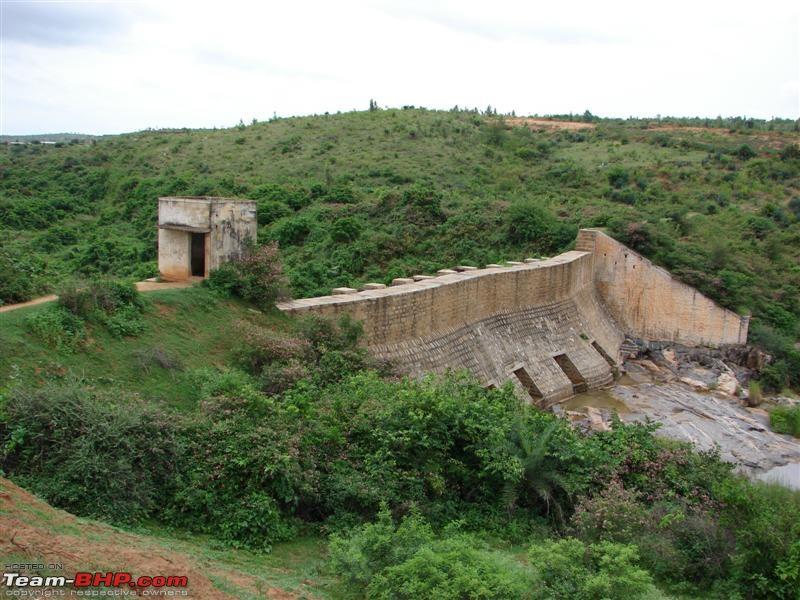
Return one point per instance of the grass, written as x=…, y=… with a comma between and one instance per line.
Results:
x=193, y=327
x=47, y=535
x=298, y=566
x=786, y=419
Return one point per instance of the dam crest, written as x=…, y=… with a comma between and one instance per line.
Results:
x=553, y=327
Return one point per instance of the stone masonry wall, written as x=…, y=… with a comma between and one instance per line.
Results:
x=552, y=327
x=649, y=303
x=493, y=321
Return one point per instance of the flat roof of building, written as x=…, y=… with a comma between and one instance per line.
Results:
x=205, y=199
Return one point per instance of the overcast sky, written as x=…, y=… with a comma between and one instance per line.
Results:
x=109, y=67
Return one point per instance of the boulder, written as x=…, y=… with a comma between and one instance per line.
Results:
x=727, y=384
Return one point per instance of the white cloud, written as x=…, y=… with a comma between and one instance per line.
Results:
x=102, y=67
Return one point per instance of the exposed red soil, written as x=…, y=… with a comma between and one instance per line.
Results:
x=33, y=531
x=535, y=123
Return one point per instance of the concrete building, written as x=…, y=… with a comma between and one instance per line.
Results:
x=197, y=234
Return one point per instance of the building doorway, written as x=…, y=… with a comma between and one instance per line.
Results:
x=198, y=255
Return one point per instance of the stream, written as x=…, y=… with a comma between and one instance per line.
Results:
x=707, y=419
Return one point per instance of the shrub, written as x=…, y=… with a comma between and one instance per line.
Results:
x=58, y=327
x=116, y=305
x=534, y=226
x=345, y=230
x=270, y=211
x=291, y=231
x=745, y=152
x=407, y=561
x=424, y=203
x=375, y=546
x=452, y=569
x=764, y=520
x=147, y=358
x=256, y=276
x=785, y=419
x=678, y=542
x=569, y=569
x=618, y=177
x=94, y=455
x=22, y=276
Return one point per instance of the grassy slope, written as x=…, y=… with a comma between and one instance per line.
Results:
x=190, y=325
x=33, y=532
x=87, y=208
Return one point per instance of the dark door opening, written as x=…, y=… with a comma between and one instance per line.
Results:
x=604, y=354
x=528, y=384
x=198, y=254
x=571, y=371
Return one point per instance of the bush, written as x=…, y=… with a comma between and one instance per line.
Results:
x=291, y=231
x=785, y=419
x=256, y=276
x=22, y=276
x=58, y=327
x=678, y=542
x=764, y=519
x=570, y=570
x=407, y=561
x=536, y=228
x=452, y=569
x=100, y=456
x=116, y=305
x=375, y=546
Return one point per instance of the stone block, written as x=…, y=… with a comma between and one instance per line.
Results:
x=423, y=277
x=532, y=260
x=493, y=266
x=373, y=286
x=461, y=268
x=342, y=291
x=514, y=263
x=446, y=272
x=401, y=281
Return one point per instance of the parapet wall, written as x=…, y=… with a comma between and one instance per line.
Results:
x=651, y=304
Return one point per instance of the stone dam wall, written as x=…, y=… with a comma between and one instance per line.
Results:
x=650, y=304
x=544, y=325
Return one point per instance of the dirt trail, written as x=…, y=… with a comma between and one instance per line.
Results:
x=31, y=531
x=142, y=286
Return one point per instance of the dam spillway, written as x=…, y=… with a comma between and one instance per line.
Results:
x=552, y=327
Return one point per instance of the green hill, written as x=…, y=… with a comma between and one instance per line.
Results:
x=370, y=196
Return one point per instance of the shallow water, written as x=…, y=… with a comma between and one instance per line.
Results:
x=786, y=475
x=598, y=398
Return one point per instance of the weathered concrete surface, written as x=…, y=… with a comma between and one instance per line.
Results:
x=225, y=223
x=515, y=322
x=650, y=304
x=493, y=322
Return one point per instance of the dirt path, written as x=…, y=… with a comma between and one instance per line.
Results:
x=142, y=286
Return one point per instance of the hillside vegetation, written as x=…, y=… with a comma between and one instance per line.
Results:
x=231, y=431
x=224, y=427
x=374, y=195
